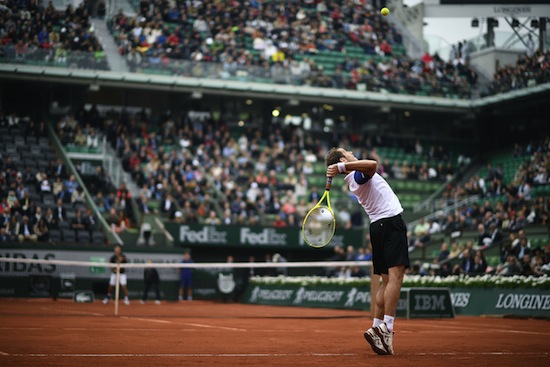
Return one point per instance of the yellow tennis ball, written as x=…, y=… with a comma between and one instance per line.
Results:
x=385, y=11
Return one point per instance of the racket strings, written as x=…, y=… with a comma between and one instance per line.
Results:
x=319, y=227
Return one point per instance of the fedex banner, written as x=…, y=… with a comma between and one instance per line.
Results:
x=196, y=234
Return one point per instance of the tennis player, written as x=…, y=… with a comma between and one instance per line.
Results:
x=388, y=234
x=118, y=258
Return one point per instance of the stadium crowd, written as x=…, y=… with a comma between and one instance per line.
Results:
x=276, y=40
x=255, y=175
x=528, y=71
x=512, y=201
x=518, y=257
x=39, y=200
x=31, y=32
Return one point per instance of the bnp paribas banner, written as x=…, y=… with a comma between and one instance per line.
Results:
x=196, y=234
x=19, y=278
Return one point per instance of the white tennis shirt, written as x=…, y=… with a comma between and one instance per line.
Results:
x=375, y=196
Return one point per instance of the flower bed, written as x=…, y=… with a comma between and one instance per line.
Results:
x=454, y=281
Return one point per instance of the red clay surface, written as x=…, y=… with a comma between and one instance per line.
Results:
x=202, y=333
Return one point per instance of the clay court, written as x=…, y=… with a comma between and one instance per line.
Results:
x=217, y=334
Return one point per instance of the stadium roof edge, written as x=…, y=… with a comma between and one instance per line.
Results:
x=508, y=96
x=252, y=89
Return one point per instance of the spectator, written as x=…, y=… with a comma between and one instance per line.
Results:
x=4, y=237
x=80, y=138
x=444, y=253
x=77, y=224
x=90, y=223
x=41, y=231
x=350, y=253
x=483, y=238
x=78, y=197
x=526, y=268
x=212, y=219
x=113, y=220
x=57, y=187
x=25, y=231
x=123, y=222
x=466, y=264
x=479, y=264
x=51, y=221
x=522, y=248
x=70, y=186
x=511, y=267
x=59, y=212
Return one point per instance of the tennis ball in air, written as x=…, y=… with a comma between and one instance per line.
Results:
x=385, y=11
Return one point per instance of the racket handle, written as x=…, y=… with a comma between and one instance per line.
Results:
x=329, y=182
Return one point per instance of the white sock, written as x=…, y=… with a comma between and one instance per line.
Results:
x=389, y=322
x=376, y=322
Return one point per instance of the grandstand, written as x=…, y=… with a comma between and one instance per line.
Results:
x=182, y=119
x=201, y=128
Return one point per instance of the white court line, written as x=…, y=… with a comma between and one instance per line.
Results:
x=77, y=312
x=472, y=331
x=479, y=329
x=150, y=320
x=180, y=355
x=483, y=354
x=256, y=355
x=4, y=353
x=122, y=329
x=215, y=327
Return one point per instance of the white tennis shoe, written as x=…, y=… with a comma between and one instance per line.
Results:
x=386, y=337
x=375, y=342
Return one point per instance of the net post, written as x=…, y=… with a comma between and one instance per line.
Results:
x=117, y=288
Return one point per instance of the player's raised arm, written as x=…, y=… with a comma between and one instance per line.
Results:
x=340, y=160
x=366, y=166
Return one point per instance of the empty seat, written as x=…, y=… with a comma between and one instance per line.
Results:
x=83, y=236
x=55, y=235
x=64, y=225
x=68, y=235
x=98, y=238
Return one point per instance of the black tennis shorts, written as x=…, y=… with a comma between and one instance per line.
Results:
x=389, y=244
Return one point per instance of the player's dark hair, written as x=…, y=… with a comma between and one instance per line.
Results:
x=333, y=156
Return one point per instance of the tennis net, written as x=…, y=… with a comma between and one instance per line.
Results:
x=60, y=287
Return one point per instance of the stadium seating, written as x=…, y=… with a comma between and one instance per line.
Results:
x=25, y=153
x=341, y=47
x=60, y=38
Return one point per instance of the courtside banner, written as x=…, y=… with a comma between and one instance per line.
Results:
x=196, y=234
x=21, y=279
x=330, y=296
x=501, y=301
x=413, y=302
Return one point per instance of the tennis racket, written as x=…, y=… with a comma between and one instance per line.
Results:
x=319, y=224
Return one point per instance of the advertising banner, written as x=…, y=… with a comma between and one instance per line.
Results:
x=61, y=281
x=501, y=301
x=413, y=302
x=196, y=234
